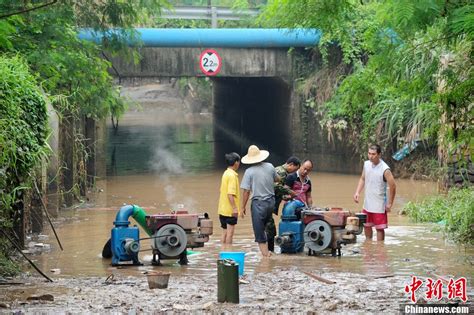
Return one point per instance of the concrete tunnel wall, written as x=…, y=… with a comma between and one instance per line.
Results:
x=252, y=111
x=255, y=85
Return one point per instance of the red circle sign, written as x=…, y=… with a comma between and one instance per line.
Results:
x=210, y=62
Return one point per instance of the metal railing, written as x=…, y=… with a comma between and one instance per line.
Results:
x=208, y=13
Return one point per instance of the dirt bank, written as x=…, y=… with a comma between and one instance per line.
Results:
x=283, y=290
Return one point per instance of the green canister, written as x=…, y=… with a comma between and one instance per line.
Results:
x=227, y=281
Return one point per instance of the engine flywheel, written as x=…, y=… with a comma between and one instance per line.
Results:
x=170, y=240
x=317, y=235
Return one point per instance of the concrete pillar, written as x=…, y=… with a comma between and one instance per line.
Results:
x=213, y=17
x=101, y=149
x=66, y=146
x=81, y=156
x=52, y=172
x=90, y=138
x=19, y=222
x=36, y=206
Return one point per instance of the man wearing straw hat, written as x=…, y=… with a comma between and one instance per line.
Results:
x=259, y=179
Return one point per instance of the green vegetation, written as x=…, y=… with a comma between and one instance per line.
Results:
x=410, y=71
x=42, y=60
x=406, y=75
x=23, y=132
x=454, y=213
x=8, y=267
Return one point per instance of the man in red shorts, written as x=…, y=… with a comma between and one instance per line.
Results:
x=376, y=175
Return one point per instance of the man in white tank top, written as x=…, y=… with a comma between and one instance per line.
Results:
x=376, y=175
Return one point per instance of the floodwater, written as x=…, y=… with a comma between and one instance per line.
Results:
x=162, y=159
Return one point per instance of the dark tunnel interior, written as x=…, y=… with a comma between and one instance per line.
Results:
x=252, y=111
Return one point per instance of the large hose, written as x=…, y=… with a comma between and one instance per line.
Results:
x=140, y=216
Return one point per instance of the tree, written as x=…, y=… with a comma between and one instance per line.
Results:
x=412, y=68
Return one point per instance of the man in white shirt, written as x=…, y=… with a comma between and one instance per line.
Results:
x=375, y=177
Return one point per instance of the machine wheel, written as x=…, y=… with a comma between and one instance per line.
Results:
x=107, y=250
x=317, y=235
x=170, y=240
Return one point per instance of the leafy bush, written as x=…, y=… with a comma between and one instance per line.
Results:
x=23, y=129
x=454, y=213
x=23, y=132
x=7, y=266
x=412, y=70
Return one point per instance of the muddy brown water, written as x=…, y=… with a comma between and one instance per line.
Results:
x=160, y=160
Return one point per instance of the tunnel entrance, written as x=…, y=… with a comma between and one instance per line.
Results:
x=252, y=111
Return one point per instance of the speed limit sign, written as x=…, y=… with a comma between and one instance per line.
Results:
x=210, y=62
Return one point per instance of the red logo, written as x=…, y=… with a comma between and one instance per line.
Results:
x=413, y=287
x=434, y=289
x=457, y=289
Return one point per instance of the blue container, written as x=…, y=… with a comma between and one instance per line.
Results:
x=238, y=257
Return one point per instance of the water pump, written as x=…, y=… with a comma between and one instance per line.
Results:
x=171, y=235
x=290, y=238
x=125, y=239
x=319, y=230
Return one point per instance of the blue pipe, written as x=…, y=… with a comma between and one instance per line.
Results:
x=223, y=37
x=122, y=216
x=288, y=213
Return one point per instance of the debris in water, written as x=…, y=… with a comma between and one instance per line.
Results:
x=319, y=278
x=44, y=297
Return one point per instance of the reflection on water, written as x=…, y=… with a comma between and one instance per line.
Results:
x=172, y=148
x=408, y=249
x=165, y=160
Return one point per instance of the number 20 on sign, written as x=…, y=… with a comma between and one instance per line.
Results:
x=210, y=62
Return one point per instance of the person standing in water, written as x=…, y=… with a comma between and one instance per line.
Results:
x=376, y=175
x=300, y=183
x=229, y=199
x=282, y=192
x=259, y=179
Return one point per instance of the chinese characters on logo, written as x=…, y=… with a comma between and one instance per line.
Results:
x=434, y=289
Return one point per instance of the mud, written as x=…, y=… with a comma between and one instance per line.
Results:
x=369, y=278
x=287, y=290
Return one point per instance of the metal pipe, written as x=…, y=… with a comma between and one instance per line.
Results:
x=122, y=216
x=223, y=37
x=135, y=212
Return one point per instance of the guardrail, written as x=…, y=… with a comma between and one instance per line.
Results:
x=207, y=13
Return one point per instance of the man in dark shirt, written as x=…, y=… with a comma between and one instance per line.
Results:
x=300, y=183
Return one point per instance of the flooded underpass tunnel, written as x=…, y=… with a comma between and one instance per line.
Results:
x=252, y=111
x=167, y=154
